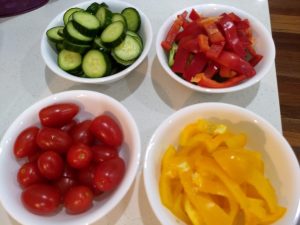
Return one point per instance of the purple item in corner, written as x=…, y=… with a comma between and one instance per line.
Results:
x=15, y=7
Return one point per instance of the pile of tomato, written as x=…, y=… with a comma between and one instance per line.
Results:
x=214, y=52
x=68, y=162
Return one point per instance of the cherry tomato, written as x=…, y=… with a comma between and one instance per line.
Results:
x=69, y=172
x=41, y=199
x=78, y=199
x=109, y=174
x=34, y=157
x=51, y=165
x=102, y=152
x=57, y=115
x=86, y=177
x=53, y=139
x=25, y=144
x=81, y=133
x=29, y=174
x=65, y=183
x=107, y=130
x=79, y=156
x=69, y=126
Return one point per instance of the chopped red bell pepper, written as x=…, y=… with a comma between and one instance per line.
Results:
x=213, y=32
x=226, y=72
x=236, y=63
x=191, y=45
x=192, y=28
x=207, y=82
x=235, y=18
x=215, y=50
x=232, y=38
x=203, y=42
x=194, y=15
x=196, y=66
x=211, y=69
x=181, y=56
x=174, y=30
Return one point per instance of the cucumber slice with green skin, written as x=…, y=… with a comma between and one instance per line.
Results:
x=113, y=34
x=86, y=23
x=73, y=35
x=137, y=37
x=76, y=47
x=93, y=8
x=104, y=15
x=118, y=17
x=133, y=18
x=96, y=64
x=99, y=45
x=60, y=32
x=122, y=62
x=59, y=46
x=68, y=13
x=69, y=61
x=128, y=50
x=52, y=34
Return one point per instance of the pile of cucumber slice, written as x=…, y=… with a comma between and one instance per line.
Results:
x=96, y=42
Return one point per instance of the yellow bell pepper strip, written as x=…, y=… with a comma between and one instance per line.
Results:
x=211, y=213
x=212, y=178
x=192, y=213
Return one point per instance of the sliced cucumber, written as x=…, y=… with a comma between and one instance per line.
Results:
x=73, y=35
x=104, y=15
x=92, y=8
x=96, y=64
x=52, y=34
x=60, y=32
x=99, y=45
x=68, y=13
x=121, y=61
x=113, y=34
x=118, y=17
x=137, y=37
x=68, y=60
x=86, y=23
x=128, y=50
x=59, y=46
x=76, y=47
x=133, y=18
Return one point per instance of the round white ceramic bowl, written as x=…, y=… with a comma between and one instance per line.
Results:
x=91, y=104
x=281, y=165
x=264, y=45
x=50, y=56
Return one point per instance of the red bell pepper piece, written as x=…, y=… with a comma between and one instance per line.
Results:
x=191, y=45
x=236, y=63
x=196, y=66
x=207, y=82
x=243, y=24
x=192, y=28
x=215, y=50
x=181, y=56
x=226, y=72
x=213, y=32
x=235, y=18
x=174, y=30
x=231, y=35
x=211, y=69
x=203, y=42
x=194, y=15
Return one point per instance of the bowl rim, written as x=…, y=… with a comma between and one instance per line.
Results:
x=249, y=82
x=148, y=166
x=52, y=65
x=118, y=194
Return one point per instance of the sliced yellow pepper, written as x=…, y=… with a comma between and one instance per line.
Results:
x=211, y=178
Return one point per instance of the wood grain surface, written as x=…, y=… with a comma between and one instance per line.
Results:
x=285, y=22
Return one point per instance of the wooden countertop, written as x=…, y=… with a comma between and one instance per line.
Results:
x=285, y=22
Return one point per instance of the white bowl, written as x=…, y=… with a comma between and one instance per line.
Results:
x=50, y=56
x=281, y=165
x=264, y=45
x=91, y=104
